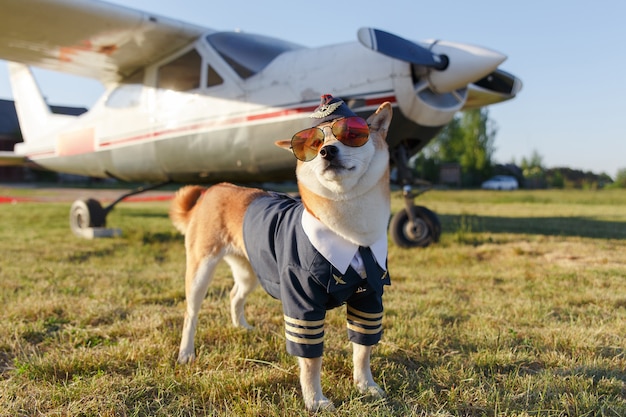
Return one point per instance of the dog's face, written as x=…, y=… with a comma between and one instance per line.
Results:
x=340, y=171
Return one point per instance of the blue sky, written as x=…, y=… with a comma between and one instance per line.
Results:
x=570, y=55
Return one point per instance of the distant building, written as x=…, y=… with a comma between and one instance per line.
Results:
x=450, y=174
x=10, y=135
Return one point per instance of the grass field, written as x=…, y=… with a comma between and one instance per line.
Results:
x=520, y=310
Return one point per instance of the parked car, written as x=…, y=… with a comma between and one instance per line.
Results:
x=501, y=182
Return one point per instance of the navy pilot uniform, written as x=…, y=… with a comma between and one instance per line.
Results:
x=311, y=269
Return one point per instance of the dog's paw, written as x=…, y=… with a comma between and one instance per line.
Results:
x=186, y=357
x=240, y=322
x=323, y=404
x=373, y=391
x=244, y=325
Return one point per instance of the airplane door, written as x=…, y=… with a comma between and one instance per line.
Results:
x=127, y=132
x=197, y=125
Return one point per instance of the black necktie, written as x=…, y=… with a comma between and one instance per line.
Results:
x=373, y=271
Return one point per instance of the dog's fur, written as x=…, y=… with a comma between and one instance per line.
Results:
x=349, y=194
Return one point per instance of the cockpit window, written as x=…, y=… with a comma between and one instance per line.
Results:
x=181, y=74
x=213, y=78
x=248, y=54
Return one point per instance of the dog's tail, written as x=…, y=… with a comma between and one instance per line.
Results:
x=184, y=201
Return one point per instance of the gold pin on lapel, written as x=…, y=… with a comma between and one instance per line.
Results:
x=338, y=280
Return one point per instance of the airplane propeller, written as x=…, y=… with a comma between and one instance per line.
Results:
x=396, y=47
x=448, y=66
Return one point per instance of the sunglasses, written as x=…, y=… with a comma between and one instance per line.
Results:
x=351, y=131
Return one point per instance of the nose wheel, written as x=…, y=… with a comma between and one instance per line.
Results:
x=414, y=226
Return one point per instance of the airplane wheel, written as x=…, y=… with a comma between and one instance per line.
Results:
x=85, y=214
x=435, y=222
x=425, y=231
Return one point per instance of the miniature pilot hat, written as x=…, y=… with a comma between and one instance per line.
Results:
x=330, y=108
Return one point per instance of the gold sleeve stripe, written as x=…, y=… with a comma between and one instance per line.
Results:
x=300, y=330
x=364, y=314
x=365, y=322
x=303, y=323
x=365, y=331
x=304, y=341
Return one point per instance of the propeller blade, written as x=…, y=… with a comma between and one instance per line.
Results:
x=455, y=64
x=400, y=48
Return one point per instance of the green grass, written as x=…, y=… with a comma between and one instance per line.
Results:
x=520, y=310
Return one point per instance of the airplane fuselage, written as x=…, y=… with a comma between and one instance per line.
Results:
x=198, y=117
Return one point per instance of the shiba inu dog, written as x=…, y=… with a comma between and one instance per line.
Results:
x=325, y=250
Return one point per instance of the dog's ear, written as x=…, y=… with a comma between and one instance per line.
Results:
x=381, y=120
x=285, y=144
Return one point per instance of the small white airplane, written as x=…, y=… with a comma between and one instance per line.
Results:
x=189, y=104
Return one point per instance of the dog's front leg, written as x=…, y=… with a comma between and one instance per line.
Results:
x=363, y=378
x=311, y=383
x=197, y=280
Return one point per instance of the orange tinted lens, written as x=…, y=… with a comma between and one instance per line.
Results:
x=306, y=143
x=351, y=131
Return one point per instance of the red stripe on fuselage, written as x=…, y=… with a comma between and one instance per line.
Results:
x=380, y=100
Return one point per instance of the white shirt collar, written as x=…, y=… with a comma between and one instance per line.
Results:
x=337, y=250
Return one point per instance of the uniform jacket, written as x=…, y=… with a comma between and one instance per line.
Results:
x=291, y=269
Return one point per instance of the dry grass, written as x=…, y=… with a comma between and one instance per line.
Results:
x=520, y=310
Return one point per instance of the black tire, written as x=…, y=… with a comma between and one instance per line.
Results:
x=425, y=231
x=85, y=214
x=434, y=221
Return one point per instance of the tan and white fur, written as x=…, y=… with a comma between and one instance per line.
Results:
x=349, y=194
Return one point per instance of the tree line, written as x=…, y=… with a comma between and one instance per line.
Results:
x=469, y=141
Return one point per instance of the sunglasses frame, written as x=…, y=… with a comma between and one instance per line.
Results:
x=340, y=138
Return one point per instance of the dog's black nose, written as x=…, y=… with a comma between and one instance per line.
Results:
x=329, y=152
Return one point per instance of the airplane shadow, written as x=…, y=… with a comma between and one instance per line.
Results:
x=148, y=214
x=469, y=223
x=549, y=226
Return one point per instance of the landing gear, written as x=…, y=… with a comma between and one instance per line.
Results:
x=88, y=217
x=415, y=226
x=85, y=214
x=419, y=229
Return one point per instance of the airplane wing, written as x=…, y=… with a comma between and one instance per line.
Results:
x=89, y=38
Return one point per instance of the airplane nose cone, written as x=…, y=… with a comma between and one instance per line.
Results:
x=467, y=63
